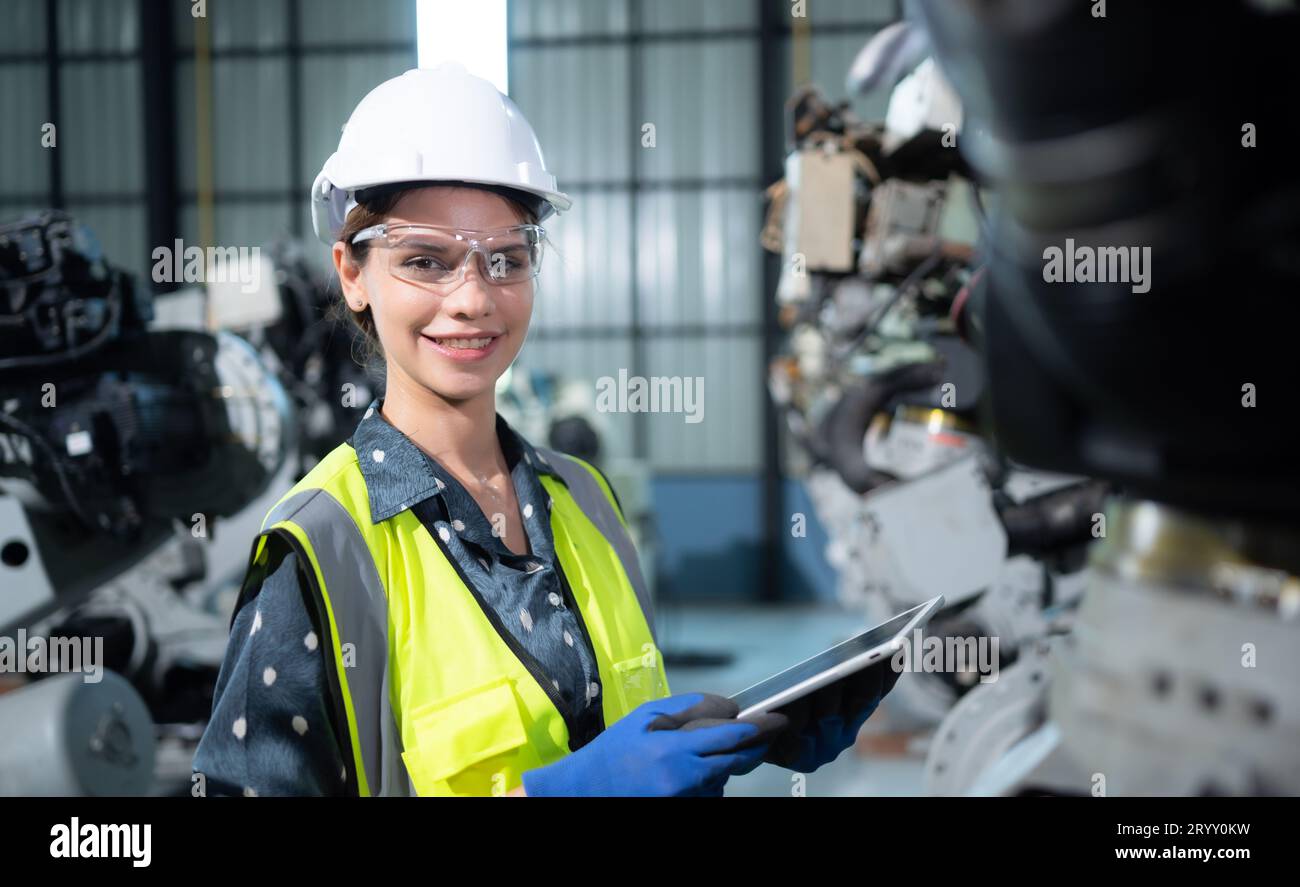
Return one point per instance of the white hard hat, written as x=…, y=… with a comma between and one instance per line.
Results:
x=439, y=124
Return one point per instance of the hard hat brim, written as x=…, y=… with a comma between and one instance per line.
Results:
x=330, y=201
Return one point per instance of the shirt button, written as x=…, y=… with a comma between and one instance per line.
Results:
x=377, y=455
x=554, y=599
x=594, y=690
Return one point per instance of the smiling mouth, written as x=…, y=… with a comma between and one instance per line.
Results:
x=462, y=344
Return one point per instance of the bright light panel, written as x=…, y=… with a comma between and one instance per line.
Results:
x=472, y=32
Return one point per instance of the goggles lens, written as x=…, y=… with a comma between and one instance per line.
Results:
x=426, y=255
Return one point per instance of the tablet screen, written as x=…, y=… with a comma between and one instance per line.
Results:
x=826, y=660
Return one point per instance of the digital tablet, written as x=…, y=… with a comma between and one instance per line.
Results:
x=836, y=663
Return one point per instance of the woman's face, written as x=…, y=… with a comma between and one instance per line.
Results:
x=418, y=326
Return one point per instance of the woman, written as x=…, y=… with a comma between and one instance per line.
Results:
x=439, y=607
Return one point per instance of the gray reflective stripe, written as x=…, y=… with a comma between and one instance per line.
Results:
x=360, y=608
x=595, y=504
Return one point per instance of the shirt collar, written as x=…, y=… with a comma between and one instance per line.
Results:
x=399, y=475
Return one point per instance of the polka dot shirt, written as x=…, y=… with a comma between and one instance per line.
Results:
x=271, y=733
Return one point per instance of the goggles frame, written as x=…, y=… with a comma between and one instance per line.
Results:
x=477, y=244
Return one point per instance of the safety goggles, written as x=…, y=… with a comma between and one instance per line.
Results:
x=429, y=255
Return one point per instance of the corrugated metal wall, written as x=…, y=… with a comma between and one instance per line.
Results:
x=98, y=144
x=658, y=268
x=659, y=271
x=283, y=75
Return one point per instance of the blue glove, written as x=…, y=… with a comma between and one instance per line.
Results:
x=827, y=721
x=680, y=745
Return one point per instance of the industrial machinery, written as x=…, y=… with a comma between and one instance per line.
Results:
x=1162, y=362
x=289, y=314
x=877, y=225
x=121, y=448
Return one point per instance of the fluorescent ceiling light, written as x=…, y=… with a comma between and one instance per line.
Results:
x=472, y=32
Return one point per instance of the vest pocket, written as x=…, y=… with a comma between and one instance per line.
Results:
x=457, y=738
x=639, y=679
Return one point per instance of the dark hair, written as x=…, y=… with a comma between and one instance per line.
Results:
x=373, y=207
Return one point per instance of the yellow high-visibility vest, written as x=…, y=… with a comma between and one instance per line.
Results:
x=434, y=696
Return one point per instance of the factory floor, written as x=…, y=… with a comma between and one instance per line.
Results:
x=760, y=641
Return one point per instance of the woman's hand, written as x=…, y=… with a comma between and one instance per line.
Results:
x=826, y=722
x=680, y=745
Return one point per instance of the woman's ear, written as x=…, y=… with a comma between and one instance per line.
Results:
x=354, y=290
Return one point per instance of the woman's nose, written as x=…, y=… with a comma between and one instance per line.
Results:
x=472, y=296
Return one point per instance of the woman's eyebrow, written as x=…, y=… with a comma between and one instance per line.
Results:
x=423, y=242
